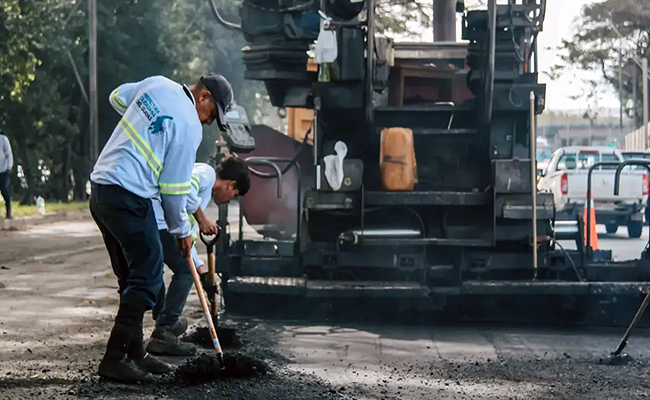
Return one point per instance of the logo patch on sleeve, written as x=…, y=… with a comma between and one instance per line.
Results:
x=156, y=127
x=148, y=107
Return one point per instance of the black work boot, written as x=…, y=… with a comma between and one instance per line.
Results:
x=8, y=208
x=115, y=365
x=179, y=327
x=151, y=364
x=164, y=342
x=144, y=360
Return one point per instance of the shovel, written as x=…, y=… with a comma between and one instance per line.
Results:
x=616, y=357
x=209, y=246
x=228, y=335
x=206, y=311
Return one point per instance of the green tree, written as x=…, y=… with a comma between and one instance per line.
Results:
x=17, y=30
x=411, y=17
x=43, y=105
x=213, y=48
x=407, y=17
x=609, y=36
x=39, y=108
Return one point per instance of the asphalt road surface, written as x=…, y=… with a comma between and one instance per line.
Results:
x=58, y=298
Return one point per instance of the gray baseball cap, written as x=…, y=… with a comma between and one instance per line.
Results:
x=222, y=94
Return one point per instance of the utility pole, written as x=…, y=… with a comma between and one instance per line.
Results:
x=635, y=101
x=645, y=102
x=620, y=93
x=444, y=20
x=92, y=69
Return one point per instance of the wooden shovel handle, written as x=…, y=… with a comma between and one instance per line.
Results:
x=204, y=305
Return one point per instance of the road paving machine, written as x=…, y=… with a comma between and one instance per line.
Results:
x=412, y=189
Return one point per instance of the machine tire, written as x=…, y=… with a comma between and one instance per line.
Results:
x=611, y=228
x=635, y=229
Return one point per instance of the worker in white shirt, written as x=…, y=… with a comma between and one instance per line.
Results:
x=6, y=165
x=150, y=154
x=230, y=179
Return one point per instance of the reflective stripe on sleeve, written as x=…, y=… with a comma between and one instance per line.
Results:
x=116, y=99
x=142, y=146
x=175, y=188
x=196, y=182
x=192, y=222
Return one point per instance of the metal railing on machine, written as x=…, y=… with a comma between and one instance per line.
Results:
x=272, y=163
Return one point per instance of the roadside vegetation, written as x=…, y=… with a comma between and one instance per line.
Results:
x=21, y=210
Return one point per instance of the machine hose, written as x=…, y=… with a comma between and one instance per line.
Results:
x=221, y=20
x=568, y=257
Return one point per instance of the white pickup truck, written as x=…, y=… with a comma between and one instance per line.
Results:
x=566, y=177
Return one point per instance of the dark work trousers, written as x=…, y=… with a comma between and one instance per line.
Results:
x=130, y=232
x=171, y=304
x=4, y=190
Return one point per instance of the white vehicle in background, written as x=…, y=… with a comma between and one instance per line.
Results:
x=544, y=153
x=644, y=155
x=566, y=177
x=541, y=167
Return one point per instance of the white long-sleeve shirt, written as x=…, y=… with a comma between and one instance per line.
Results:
x=152, y=150
x=203, y=178
x=6, y=156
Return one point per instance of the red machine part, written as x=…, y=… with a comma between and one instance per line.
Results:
x=262, y=208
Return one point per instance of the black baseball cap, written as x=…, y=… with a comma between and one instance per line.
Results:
x=222, y=94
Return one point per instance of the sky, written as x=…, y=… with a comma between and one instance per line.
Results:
x=559, y=24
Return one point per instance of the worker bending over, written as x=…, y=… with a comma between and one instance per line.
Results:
x=150, y=154
x=230, y=179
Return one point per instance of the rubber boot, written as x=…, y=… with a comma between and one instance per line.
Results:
x=164, y=342
x=116, y=365
x=142, y=359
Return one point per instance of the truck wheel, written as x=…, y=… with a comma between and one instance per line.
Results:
x=611, y=228
x=635, y=229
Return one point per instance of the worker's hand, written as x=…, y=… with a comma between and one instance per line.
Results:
x=185, y=245
x=208, y=227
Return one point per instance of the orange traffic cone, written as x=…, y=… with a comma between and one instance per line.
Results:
x=592, y=220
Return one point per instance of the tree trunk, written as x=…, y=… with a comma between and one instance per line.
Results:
x=64, y=192
x=79, y=149
x=27, y=167
x=80, y=173
x=28, y=171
